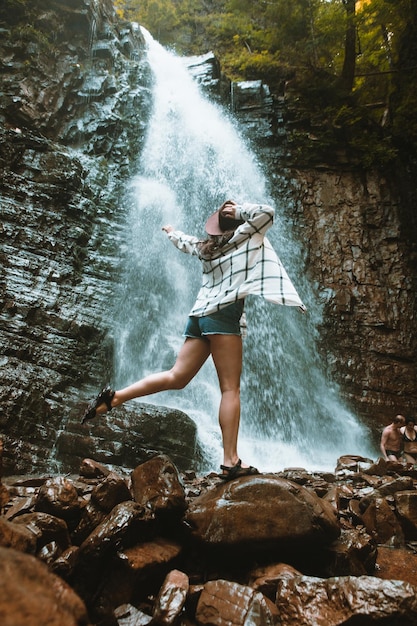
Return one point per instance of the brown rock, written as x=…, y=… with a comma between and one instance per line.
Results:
x=224, y=603
x=382, y=522
x=65, y=564
x=392, y=486
x=382, y=468
x=353, y=463
x=261, y=509
x=396, y=564
x=91, y=517
x=111, y=491
x=354, y=553
x=265, y=579
x=20, y=506
x=146, y=556
x=125, y=518
x=129, y=615
x=46, y=528
x=171, y=598
x=59, y=497
x=91, y=469
x=31, y=595
x=406, y=504
x=307, y=601
x=18, y=537
x=156, y=485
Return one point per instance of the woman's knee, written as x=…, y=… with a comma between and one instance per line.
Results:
x=177, y=380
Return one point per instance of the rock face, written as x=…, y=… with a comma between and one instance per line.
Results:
x=361, y=254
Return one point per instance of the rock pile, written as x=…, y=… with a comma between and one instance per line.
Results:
x=161, y=547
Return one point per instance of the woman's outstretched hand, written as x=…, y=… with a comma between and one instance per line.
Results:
x=168, y=228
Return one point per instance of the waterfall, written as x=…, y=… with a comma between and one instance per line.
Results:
x=193, y=159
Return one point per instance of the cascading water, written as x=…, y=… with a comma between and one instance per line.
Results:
x=194, y=158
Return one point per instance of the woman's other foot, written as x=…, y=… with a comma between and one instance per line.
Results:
x=236, y=471
x=105, y=397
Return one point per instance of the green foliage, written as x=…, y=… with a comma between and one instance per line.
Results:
x=305, y=40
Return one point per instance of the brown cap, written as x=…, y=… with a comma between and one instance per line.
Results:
x=217, y=224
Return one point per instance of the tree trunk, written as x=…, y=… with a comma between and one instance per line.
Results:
x=348, y=70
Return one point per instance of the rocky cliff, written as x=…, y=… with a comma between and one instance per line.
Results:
x=74, y=102
x=358, y=230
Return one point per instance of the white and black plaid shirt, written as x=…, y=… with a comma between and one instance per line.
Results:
x=246, y=265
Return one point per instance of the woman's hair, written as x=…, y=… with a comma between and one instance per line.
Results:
x=214, y=243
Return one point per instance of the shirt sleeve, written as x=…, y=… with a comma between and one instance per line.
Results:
x=184, y=243
x=258, y=218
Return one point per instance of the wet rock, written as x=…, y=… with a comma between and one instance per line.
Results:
x=126, y=519
x=156, y=485
x=261, y=510
x=348, y=220
x=406, y=505
x=127, y=437
x=65, y=563
x=307, y=601
x=354, y=553
x=129, y=615
x=133, y=574
x=59, y=497
x=17, y=537
x=396, y=564
x=148, y=557
x=353, y=462
x=91, y=517
x=111, y=491
x=171, y=598
x=46, y=528
x=382, y=522
x=91, y=469
x=223, y=603
x=265, y=579
x=31, y=595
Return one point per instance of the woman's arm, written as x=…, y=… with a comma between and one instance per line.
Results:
x=184, y=243
x=258, y=218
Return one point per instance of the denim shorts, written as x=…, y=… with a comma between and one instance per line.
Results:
x=223, y=322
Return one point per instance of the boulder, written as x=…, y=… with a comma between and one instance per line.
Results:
x=16, y=536
x=381, y=521
x=31, y=595
x=225, y=603
x=364, y=600
x=262, y=510
x=59, y=497
x=171, y=598
x=406, y=505
x=110, y=491
x=156, y=485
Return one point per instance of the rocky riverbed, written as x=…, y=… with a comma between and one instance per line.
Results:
x=155, y=545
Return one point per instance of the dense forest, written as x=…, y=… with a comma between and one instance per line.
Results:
x=351, y=63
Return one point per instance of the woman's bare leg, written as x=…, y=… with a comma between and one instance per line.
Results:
x=190, y=359
x=226, y=351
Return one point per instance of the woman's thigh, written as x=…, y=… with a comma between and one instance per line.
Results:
x=190, y=359
x=226, y=351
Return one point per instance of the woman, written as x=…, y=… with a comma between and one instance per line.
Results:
x=237, y=260
x=409, y=433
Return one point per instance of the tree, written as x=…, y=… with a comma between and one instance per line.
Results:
x=348, y=70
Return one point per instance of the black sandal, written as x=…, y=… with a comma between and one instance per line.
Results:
x=236, y=471
x=105, y=396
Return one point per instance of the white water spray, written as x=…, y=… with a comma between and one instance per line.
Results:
x=194, y=158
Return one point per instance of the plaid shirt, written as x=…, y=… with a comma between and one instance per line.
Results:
x=246, y=265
